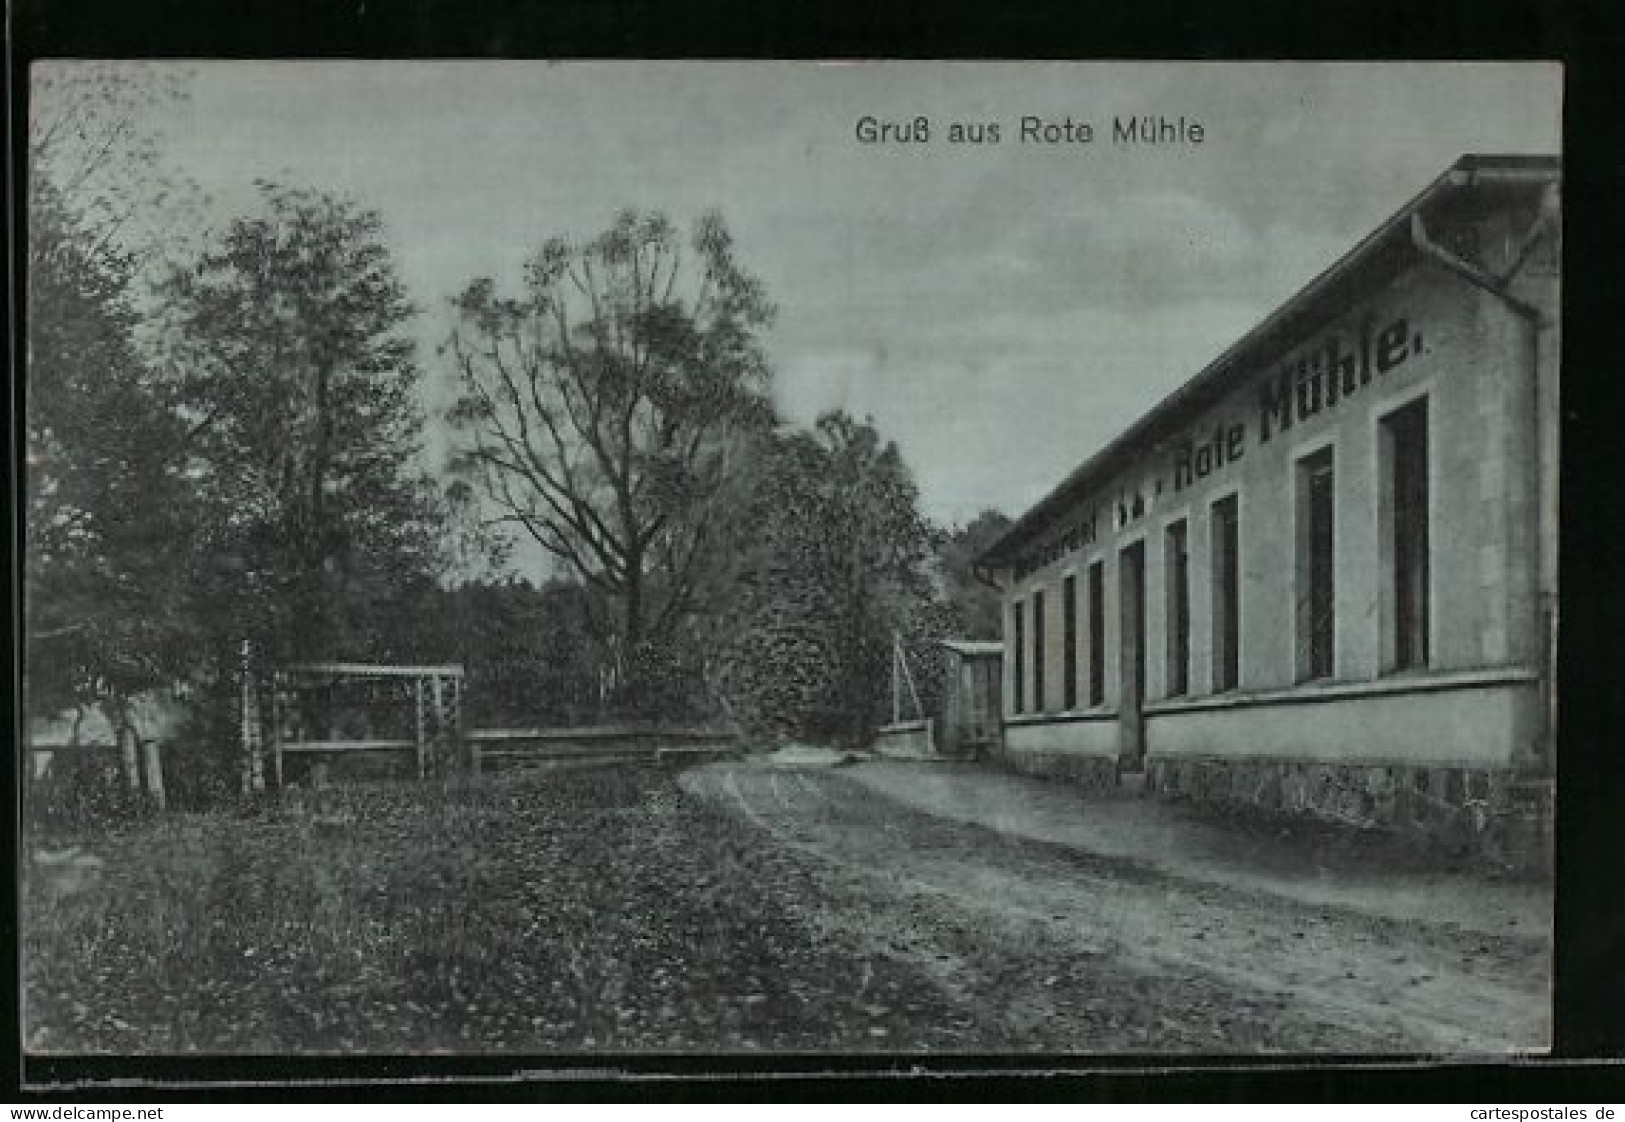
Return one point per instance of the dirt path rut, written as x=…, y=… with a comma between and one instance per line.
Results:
x=985, y=912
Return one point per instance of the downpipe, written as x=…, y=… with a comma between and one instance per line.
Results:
x=1496, y=286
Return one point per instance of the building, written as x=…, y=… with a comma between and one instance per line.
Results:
x=1322, y=574
x=969, y=720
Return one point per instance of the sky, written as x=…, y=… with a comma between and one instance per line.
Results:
x=1000, y=310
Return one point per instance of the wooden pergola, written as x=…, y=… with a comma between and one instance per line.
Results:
x=434, y=693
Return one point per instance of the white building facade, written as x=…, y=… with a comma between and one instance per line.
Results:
x=1322, y=575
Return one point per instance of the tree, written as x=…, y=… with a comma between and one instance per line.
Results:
x=108, y=510
x=605, y=409
x=528, y=654
x=93, y=144
x=109, y=515
x=287, y=345
x=977, y=602
x=780, y=663
x=880, y=548
x=839, y=568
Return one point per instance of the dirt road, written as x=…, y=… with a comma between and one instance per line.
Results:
x=1059, y=948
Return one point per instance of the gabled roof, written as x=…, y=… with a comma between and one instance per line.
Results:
x=1382, y=253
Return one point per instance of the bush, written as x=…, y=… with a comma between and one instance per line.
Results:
x=660, y=685
x=82, y=789
x=200, y=761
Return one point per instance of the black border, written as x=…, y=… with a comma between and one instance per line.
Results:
x=1590, y=968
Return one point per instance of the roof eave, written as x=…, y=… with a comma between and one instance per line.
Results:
x=1395, y=230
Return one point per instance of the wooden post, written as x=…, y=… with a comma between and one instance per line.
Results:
x=276, y=725
x=242, y=716
x=454, y=721
x=437, y=705
x=457, y=725
x=155, y=773
x=254, y=761
x=896, y=684
x=417, y=707
x=129, y=747
x=118, y=721
x=914, y=692
x=919, y=709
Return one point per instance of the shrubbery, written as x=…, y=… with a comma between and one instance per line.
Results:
x=82, y=789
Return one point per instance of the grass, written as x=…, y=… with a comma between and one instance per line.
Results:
x=566, y=911
x=276, y=916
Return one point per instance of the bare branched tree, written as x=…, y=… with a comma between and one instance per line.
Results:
x=604, y=410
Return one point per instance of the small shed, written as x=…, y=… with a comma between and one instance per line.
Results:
x=969, y=724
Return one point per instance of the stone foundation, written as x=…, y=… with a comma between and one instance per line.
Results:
x=1090, y=772
x=1505, y=817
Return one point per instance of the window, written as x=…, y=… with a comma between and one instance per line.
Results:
x=1226, y=543
x=1176, y=570
x=1404, y=443
x=1315, y=573
x=1038, y=652
x=1069, y=637
x=1097, y=634
x=1018, y=670
x=1131, y=636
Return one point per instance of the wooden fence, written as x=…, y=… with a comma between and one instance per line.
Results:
x=500, y=748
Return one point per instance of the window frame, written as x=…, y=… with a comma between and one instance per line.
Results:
x=1038, y=639
x=1393, y=651
x=1095, y=694
x=1314, y=585
x=1176, y=584
x=1018, y=684
x=1069, y=640
x=1224, y=597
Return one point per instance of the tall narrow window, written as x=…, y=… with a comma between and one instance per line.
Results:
x=1405, y=452
x=1018, y=668
x=1317, y=622
x=1226, y=540
x=1038, y=652
x=1069, y=637
x=1176, y=569
x=1097, y=634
